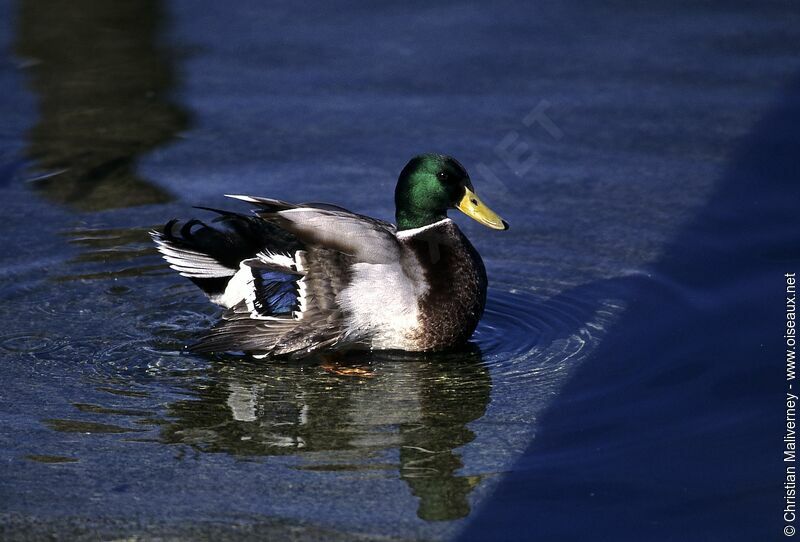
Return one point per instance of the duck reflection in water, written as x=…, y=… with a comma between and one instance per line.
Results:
x=418, y=406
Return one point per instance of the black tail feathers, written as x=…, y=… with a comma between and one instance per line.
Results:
x=209, y=255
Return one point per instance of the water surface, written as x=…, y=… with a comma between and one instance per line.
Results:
x=119, y=118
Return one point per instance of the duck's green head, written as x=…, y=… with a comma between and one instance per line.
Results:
x=429, y=185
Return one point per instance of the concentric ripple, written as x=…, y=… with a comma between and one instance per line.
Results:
x=523, y=333
x=29, y=343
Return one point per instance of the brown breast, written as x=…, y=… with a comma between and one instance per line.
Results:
x=454, y=303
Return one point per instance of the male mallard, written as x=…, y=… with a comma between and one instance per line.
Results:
x=313, y=277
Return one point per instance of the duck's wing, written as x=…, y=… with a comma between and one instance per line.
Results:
x=310, y=321
x=324, y=218
x=334, y=241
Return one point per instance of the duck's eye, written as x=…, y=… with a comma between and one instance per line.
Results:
x=443, y=176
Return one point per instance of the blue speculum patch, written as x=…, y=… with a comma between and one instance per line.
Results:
x=275, y=292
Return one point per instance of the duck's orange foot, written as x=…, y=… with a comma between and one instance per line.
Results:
x=336, y=365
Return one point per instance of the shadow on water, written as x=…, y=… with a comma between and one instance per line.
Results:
x=103, y=84
x=699, y=354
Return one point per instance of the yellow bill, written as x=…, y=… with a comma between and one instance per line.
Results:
x=474, y=208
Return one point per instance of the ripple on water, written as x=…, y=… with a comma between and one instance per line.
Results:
x=521, y=335
x=133, y=346
x=407, y=414
x=30, y=343
x=524, y=335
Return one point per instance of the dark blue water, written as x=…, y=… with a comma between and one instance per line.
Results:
x=625, y=383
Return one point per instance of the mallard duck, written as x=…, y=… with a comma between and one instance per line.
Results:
x=303, y=278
